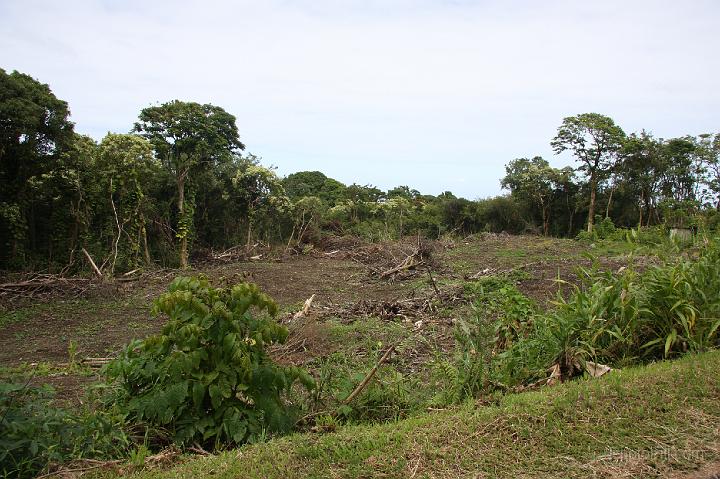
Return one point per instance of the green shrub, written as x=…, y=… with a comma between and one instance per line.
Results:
x=207, y=377
x=603, y=228
x=389, y=396
x=497, y=297
x=34, y=433
x=623, y=318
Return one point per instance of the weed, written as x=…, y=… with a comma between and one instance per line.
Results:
x=34, y=434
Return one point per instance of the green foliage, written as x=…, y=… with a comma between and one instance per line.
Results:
x=35, y=174
x=535, y=181
x=314, y=184
x=178, y=186
x=189, y=139
x=501, y=316
x=595, y=140
x=34, y=433
x=126, y=167
x=603, y=229
x=389, y=396
x=468, y=374
x=626, y=317
x=207, y=377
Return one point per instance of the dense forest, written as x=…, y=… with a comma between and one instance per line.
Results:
x=179, y=184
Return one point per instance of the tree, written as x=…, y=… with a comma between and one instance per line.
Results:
x=307, y=212
x=34, y=134
x=263, y=193
x=708, y=147
x=594, y=139
x=314, y=183
x=125, y=163
x=641, y=169
x=534, y=180
x=188, y=138
x=403, y=191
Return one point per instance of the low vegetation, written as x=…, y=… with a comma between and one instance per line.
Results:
x=639, y=422
x=207, y=381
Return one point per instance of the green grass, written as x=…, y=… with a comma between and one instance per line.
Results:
x=639, y=422
x=370, y=333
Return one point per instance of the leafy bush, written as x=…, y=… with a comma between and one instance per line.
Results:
x=34, y=434
x=624, y=318
x=604, y=228
x=207, y=377
x=498, y=297
x=468, y=374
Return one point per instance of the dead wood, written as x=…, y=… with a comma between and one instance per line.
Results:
x=40, y=285
x=369, y=376
x=92, y=263
x=306, y=308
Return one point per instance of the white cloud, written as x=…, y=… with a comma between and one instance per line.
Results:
x=382, y=92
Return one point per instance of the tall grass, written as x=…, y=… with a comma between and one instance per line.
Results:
x=623, y=318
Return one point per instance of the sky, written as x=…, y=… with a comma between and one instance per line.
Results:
x=437, y=95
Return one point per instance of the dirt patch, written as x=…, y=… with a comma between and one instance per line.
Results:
x=307, y=340
x=346, y=279
x=69, y=388
x=708, y=471
x=96, y=327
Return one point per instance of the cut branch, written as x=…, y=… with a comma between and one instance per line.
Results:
x=369, y=376
x=92, y=263
x=306, y=308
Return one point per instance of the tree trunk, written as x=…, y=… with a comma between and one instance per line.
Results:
x=146, y=250
x=607, y=210
x=642, y=194
x=591, y=212
x=181, y=211
x=249, y=236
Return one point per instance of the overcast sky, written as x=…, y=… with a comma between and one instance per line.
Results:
x=438, y=95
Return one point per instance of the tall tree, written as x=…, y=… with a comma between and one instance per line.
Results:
x=641, y=169
x=188, y=137
x=126, y=164
x=263, y=194
x=533, y=180
x=35, y=133
x=314, y=183
x=708, y=147
x=594, y=139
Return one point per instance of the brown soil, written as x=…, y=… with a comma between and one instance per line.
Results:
x=344, y=279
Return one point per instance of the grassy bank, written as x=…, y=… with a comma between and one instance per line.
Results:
x=639, y=422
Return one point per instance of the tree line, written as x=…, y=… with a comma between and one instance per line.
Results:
x=180, y=183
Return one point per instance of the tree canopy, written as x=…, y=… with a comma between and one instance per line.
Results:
x=595, y=140
x=180, y=186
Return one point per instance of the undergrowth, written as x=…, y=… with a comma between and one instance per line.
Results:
x=34, y=433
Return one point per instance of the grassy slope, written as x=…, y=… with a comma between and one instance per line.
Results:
x=640, y=422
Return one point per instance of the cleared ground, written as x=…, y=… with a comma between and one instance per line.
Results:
x=354, y=307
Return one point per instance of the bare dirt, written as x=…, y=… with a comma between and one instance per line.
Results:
x=346, y=279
